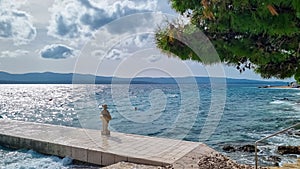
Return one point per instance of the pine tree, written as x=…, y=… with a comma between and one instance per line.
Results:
x=262, y=35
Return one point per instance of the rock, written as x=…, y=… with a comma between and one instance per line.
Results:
x=275, y=159
x=264, y=86
x=288, y=150
x=294, y=132
x=218, y=161
x=244, y=148
x=247, y=148
x=228, y=148
x=297, y=133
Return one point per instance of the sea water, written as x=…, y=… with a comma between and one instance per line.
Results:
x=247, y=114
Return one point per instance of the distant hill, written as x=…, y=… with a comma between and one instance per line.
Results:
x=70, y=78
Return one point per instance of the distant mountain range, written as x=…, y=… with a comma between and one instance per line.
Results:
x=70, y=78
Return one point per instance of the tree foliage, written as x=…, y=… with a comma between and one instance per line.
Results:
x=259, y=34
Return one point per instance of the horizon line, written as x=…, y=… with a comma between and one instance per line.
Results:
x=154, y=77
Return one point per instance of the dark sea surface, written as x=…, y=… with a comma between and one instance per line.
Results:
x=220, y=115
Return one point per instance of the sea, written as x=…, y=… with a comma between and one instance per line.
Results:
x=218, y=115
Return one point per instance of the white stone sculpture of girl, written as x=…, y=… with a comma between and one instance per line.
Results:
x=105, y=117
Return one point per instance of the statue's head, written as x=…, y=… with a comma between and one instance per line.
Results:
x=104, y=106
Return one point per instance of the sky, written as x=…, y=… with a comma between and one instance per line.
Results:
x=99, y=37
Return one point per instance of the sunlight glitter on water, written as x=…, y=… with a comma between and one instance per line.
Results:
x=38, y=103
x=250, y=113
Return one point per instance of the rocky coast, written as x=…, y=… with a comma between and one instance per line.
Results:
x=215, y=160
x=212, y=160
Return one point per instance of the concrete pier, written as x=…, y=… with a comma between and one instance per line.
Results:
x=88, y=145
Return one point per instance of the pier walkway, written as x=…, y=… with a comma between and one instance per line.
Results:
x=88, y=145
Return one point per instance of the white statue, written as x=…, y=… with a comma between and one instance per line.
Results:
x=105, y=117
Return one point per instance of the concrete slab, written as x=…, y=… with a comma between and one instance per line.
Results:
x=107, y=159
x=89, y=146
x=94, y=157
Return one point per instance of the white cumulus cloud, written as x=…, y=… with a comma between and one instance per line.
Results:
x=15, y=24
x=57, y=51
x=78, y=19
x=116, y=54
x=142, y=40
x=125, y=47
x=154, y=58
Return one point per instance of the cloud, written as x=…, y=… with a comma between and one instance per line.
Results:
x=78, y=19
x=15, y=25
x=124, y=48
x=15, y=53
x=142, y=40
x=98, y=53
x=116, y=54
x=154, y=58
x=57, y=51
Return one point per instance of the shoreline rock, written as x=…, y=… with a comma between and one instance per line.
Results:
x=244, y=148
x=279, y=87
x=274, y=159
x=209, y=161
x=219, y=161
x=288, y=150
